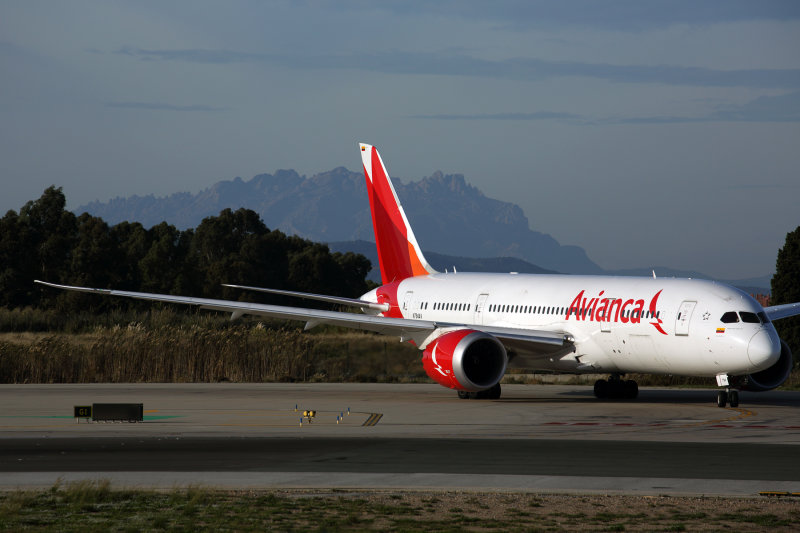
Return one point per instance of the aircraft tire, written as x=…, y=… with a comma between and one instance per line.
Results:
x=722, y=398
x=601, y=389
x=494, y=392
x=464, y=395
x=631, y=389
x=733, y=398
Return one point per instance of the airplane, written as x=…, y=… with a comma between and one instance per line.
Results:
x=471, y=326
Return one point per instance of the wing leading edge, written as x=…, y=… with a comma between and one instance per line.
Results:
x=420, y=331
x=776, y=312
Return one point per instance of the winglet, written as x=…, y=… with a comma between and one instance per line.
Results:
x=399, y=254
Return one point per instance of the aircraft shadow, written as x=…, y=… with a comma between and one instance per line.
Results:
x=666, y=396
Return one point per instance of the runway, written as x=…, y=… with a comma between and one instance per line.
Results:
x=537, y=438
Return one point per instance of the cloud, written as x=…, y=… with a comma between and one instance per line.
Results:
x=782, y=108
x=624, y=15
x=519, y=69
x=540, y=115
x=221, y=57
x=156, y=106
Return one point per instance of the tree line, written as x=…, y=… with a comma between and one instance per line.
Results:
x=786, y=289
x=45, y=241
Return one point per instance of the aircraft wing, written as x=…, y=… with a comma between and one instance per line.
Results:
x=406, y=329
x=352, y=302
x=776, y=312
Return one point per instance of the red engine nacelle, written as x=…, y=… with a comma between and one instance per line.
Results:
x=465, y=360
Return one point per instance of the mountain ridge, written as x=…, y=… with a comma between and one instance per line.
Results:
x=331, y=207
x=448, y=214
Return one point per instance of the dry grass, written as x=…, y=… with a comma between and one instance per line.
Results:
x=176, y=354
x=95, y=506
x=163, y=345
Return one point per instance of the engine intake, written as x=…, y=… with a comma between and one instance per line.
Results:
x=769, y=378
x=466, y=359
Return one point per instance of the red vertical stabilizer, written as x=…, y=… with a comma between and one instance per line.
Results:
x=399, y=254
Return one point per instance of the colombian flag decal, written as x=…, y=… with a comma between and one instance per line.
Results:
x=720, y=330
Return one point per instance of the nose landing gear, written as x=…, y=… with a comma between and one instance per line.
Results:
x=729, y=397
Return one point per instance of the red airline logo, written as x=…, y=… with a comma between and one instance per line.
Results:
x=614, y=310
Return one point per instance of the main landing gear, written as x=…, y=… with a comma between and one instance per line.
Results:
x=616, y=388
x=492, y=393
x=728, y=396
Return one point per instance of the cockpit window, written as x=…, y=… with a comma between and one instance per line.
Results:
x=730, y=317
x=750, y=318
x=763, y=316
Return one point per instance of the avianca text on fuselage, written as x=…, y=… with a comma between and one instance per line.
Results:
x=613, y=310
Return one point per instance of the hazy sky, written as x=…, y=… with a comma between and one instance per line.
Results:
x=649, y=133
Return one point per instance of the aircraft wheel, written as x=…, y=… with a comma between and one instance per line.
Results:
x=631, y=389
x=601, y=389
x=722, y=398
x=733, y=398
x=464, y=395
x=494, y=392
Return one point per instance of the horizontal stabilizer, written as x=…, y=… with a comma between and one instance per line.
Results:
x=351, y=302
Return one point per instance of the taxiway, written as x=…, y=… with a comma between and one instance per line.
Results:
x=536, y=437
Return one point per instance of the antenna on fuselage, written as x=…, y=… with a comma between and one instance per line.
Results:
x=654, y=274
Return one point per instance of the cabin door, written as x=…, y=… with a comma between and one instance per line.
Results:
x=479, y=305
x=406, y=306
x=684, y=317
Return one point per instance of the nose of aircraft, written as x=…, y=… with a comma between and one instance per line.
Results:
x=764, y=348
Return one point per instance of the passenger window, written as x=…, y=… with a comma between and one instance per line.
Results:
x=729, y=318
x=748, y=317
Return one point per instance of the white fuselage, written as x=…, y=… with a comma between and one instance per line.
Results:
x=619, y=324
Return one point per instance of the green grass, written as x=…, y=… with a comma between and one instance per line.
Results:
x=90, y=506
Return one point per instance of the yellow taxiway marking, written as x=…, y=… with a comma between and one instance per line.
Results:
x=373, y=419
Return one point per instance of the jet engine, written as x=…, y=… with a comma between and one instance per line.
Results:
x=465, y=360
x=769, y=378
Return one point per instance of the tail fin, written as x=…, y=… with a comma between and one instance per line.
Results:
x=399, y=254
